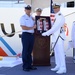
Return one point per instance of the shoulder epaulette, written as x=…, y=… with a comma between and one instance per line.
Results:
x=59, y=14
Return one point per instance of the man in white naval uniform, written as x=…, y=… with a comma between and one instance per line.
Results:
x=73, y=34
x=57, y=28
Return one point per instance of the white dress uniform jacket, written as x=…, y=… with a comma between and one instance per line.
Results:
x=73, y=34
x=56, y=27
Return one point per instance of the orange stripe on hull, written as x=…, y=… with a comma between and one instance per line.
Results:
x=2, y=53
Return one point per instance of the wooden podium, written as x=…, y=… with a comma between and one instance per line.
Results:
x=41, y=50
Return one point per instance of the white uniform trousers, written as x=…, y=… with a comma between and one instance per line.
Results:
x=59, y=54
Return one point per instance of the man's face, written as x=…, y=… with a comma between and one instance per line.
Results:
x=38, y=13
x=56, y=10
x=27, y=11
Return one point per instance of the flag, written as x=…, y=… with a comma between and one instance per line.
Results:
x=52, y=15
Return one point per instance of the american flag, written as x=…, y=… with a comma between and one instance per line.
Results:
x=52, y=15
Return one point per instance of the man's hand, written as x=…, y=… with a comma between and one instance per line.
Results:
x=34, y=27
x=45, y=34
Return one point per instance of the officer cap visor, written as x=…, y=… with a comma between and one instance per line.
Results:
x=28, y=7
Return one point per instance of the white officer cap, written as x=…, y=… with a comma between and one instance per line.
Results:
x=38, y=9
x=28, y=7
x=56, y=5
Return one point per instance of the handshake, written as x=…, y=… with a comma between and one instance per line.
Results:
x=45, y=34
